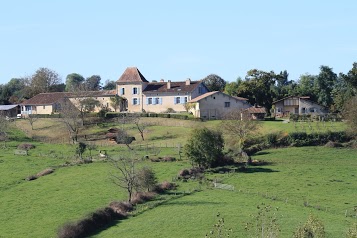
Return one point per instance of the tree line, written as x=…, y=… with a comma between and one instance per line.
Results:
x=327, y=88
x=260, y=87
x=45, y=80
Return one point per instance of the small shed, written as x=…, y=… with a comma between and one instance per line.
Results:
x=255, y=113
x=9, y=110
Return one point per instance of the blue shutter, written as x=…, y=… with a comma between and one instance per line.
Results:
x=132, y=101
x=153, y=101
x=132, y=91
x=121, y=91
x=182, y=100
x=138, y=101
x=174, y=100
x=147, y=101
x=160, y=100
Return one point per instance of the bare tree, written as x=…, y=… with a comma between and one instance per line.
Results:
x=122, y=137
x=240, y=128
x=71, y=117
x=141, y=126
x=124, y=174
x=31, y=119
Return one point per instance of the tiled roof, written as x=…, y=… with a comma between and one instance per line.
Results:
x=203, y=96
x=174, y=87
x=214, y=92
x=7, y=107
x=51, y=98
x=130, y=75
x=256, y=110
x=303, y=97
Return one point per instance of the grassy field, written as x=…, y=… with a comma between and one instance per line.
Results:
x=299, y=181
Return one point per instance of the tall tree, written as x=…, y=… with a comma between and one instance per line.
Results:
x=214, y=83
x=258, y=87
x=232, y=87
x=74, y=82
x=109, y=85
x=92, y=83
x=43, y=80
x=324, y=84
x=351, y=76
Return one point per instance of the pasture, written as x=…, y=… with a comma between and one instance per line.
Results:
x=298, y=181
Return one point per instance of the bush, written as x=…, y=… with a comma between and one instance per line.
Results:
x=87, y=226
x=332, y=144
x=26, y=146
x=272, y=139
x=170, y=110
x=31, y=177
x=179, y=116
x=121, y=207
x=142, y=197
x=45, y=172
x=312, y=228
x=165, y=186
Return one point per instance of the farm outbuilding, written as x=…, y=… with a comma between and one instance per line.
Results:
x=9, y=110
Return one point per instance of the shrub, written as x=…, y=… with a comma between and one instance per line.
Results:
x=31, y=177
x=313, y=227
x=121, y=207
x=352, y=231
x=170, y=110
x=272, y=139
x=142, y=197
x=165, y=186
x=146, y=179
x=45, y=172
x=87, y=226
x=184, y=173
x=26, y=146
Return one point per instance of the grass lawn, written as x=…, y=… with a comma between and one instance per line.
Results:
x=299, y=181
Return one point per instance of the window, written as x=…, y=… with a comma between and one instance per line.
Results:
x=136, y=101
x=200, y=89
x=44, y=107
x=122, y=91
x=278, y=109
x=227, y=104
x=303, y=110
x=149, y=101
x=312, y=109
x=177, y=100
x=185, y=99
x=135, y=90
x=157, y=101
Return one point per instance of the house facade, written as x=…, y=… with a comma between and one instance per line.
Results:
x=297, y=105
x=141, y=95
x=49, y=103
x=215, y=105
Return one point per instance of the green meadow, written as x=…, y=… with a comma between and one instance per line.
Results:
x=296, y=181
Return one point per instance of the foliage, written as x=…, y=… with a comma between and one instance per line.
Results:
x=146, y=179
x=71, y=117
x=109, y=85
x=204, y=147
x=214, y=83
x=92, y=83
x=74, y=82
x=42, y=81
x=350, y=114
x=116, y=101
x=188, y=106
x=232, y=87
x=265, y=223
x=26, y=146
x=239, y=129
x=313, y=228
x=4, y=128
x=80, y=148
x=323, y=86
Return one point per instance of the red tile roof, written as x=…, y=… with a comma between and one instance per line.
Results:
x=51, y=98
x=203, y=96
x=174, y=87
x=256, y=110
x=130, y=75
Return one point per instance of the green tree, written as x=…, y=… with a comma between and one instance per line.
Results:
x=214, y=83
x=81, y=147
x=305, y=86
x=258, y=88
x=204, y=147
x=109, y=85
x=323, y=86
x=92, y=83
x=43, y=80
x=116, y=101
x=350, y=113
x=74, y=82
x=145, y=179
x=351, y=76
x=232, y=87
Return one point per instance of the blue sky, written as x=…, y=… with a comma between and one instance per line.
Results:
x=175, y=40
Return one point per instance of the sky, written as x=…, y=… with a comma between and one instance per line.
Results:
x=176, y=40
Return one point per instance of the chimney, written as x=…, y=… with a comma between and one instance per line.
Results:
x=168, y=84
x=188, y=81
x=162, y=80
